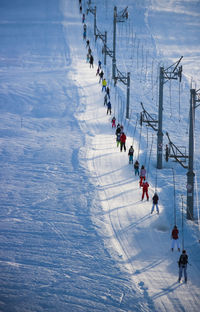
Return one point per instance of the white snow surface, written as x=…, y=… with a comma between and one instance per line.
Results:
x=74, y=233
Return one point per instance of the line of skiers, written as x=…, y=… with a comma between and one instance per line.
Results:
x=121, y=141
x=183, y=259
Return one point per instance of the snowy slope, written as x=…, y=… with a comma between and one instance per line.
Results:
x=51, y=256
x=75, y=235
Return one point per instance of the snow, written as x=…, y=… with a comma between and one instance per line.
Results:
x=75, y=235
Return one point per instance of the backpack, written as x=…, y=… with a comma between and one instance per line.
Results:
x=136, y=165
x=183, y=259
x=131, y=151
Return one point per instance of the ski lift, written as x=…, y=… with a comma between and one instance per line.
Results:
x=178, y=153
x=151, y=120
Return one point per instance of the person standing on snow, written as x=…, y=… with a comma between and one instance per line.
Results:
x=118, y=135
x=85, y=27
x=113, y=122
x=101, y=76
x=91, y=61
x=142, y=175
x=182, y=263
x=87, y=43
x=97, y=73
x=175, y=239
x=83, y=18
x=155, y=203
x=104, y=83
x=136, y=167
x=145, y=186
x=89, y=51
x=99, y=64
x=108, y=92
x=84, y=31
x=130, y=154
x=123, y=142
x=118, y=130
x=108, y=107
x=105, y=100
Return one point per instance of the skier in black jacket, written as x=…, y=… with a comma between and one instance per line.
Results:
x=130, y=154
x=155, y=203
x=182, y=263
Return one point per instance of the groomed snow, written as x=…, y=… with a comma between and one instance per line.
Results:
x=75, y=235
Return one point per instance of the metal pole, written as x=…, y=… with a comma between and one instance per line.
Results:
x=114, y=43
x=128, y=95
x=190, y=173
x=182, y=224
x=160, y=116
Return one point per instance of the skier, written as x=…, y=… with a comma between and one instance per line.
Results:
x=99, y=64
x=182, y=263
x=80, y=8
x=118, y=130
x=84, y=31
x=83, y=18
x=145, y=186
x=123, y=142
x=118, y=135
x=104, y=83
x=84, y=34
x=130, y=154
x=113, y=122
x=91, y=61
x=105, y=100
x=142, y=175
x=108, y=92
x=108, y=107
x=155, y=203
x=175, y=239
x=97, y=73
x=85, y=27
x=101, y=76
x=89, y=51
x=88, y=58
x=87, y=43
x=136, y=167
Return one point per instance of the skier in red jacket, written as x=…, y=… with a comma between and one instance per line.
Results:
x=123, y=142
x=175, y=239
x=145, y=186
x=113, y=122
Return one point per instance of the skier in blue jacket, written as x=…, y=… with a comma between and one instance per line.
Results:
x=108, y=107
